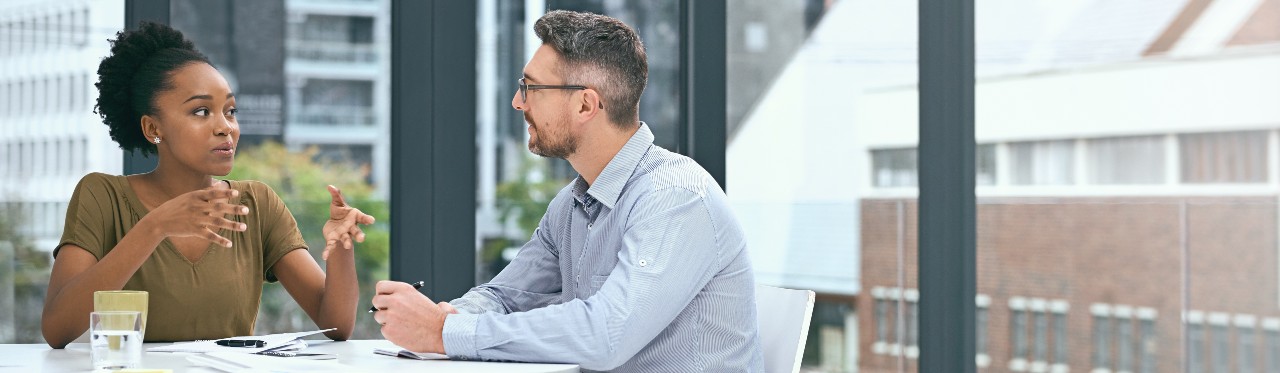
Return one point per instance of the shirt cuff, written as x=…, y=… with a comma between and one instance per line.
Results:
x=459, y=336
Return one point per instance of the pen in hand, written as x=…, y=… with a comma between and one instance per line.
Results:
x=416, y=285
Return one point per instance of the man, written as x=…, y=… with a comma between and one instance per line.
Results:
x=637, y=265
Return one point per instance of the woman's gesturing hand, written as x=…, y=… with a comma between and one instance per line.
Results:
x=342, y=227
x=199, y=213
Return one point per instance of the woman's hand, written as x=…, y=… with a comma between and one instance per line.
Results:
x=198, y=213
x=342, y=226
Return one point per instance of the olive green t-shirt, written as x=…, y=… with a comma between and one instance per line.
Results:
x=215, y=297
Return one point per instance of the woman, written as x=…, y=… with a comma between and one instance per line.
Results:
x=201, y=247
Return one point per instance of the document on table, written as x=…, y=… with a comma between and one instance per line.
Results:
x=273, y=342
x=393, y=350
x=240, y=362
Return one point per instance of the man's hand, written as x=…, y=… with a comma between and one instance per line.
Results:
x=410, y=319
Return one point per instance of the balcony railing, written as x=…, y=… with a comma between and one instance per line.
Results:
x=329, y=51
x=333, y=115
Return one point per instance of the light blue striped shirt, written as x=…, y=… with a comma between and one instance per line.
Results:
x=645, y=271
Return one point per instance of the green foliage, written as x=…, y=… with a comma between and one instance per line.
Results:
x=300, y=180
x=526, y=198
x=25, y=268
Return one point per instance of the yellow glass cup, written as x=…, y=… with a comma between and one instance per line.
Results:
x=123, y=300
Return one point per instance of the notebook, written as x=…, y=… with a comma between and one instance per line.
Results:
x=410, y=354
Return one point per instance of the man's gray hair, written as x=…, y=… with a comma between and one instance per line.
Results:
x=602, y=53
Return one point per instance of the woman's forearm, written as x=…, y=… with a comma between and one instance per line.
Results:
x=69, y=298
x=341, y=293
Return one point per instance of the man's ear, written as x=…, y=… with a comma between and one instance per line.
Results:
x=590, y=105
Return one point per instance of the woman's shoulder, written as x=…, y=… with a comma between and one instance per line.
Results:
x=101, y=187
x=99, y=180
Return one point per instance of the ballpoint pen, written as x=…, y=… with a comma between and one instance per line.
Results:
x=416, y=285
x=240, y=343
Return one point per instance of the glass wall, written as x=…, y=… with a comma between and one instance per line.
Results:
x=312, y=84
x=825, y=208
x=49, y=139
x=1129, y=224
x=515, y=185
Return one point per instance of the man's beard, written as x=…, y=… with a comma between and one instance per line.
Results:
x=559, y=144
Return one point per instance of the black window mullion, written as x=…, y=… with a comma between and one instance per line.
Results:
x=433, y=149
x=947, y=236
x=703, y=121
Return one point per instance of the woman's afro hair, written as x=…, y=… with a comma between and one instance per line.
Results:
x=136, y=71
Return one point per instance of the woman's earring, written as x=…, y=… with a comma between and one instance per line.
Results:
x=157, y=140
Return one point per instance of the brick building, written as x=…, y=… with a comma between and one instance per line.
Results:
x=1092, y=284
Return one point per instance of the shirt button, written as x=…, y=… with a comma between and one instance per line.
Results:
x=644, y=262
x=590, y=225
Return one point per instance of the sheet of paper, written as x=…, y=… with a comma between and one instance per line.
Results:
x=273, y=342
x=239, y=362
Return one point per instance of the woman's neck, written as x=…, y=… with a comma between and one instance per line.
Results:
x=173, y=182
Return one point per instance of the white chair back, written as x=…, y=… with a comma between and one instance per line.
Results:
x=783, y=316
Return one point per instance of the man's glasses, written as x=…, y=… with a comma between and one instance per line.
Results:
x=525, y=88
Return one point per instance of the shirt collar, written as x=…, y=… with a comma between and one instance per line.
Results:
x=608, y=186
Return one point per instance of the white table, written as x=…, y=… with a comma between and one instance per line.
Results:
x=75, y=358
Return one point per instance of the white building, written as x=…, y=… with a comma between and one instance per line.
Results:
x=49, y=135
x=338, y=85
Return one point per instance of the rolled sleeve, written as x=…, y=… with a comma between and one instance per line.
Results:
x=459, y=336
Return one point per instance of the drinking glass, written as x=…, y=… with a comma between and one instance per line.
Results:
x=115, y=339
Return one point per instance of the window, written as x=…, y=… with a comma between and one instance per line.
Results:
x=1147, y=340
x=1040, y=332
x=1126, y=160
x=24, y=103
x=41, y=158
x=1246, y=361
x=1224, y=157
x=882, y=319
x=4, y=164
x=55, y=158
x=1059, y=333
x=894, y=296
x=985, y=164
x=328, y=38
x=336, y=102
x=320, y=112
x=983, y=302
x=40, y=103
x=60, y=31
x=1101, y=336
x=1042, y=162
x=1018, y=333
x=1124, y=343
x=912, y=316
x=1271, y=347
x=82, y=35
x=1220, y=346
x=894, y=167
x=1195, y=342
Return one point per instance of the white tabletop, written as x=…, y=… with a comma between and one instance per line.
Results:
x=75, y=358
